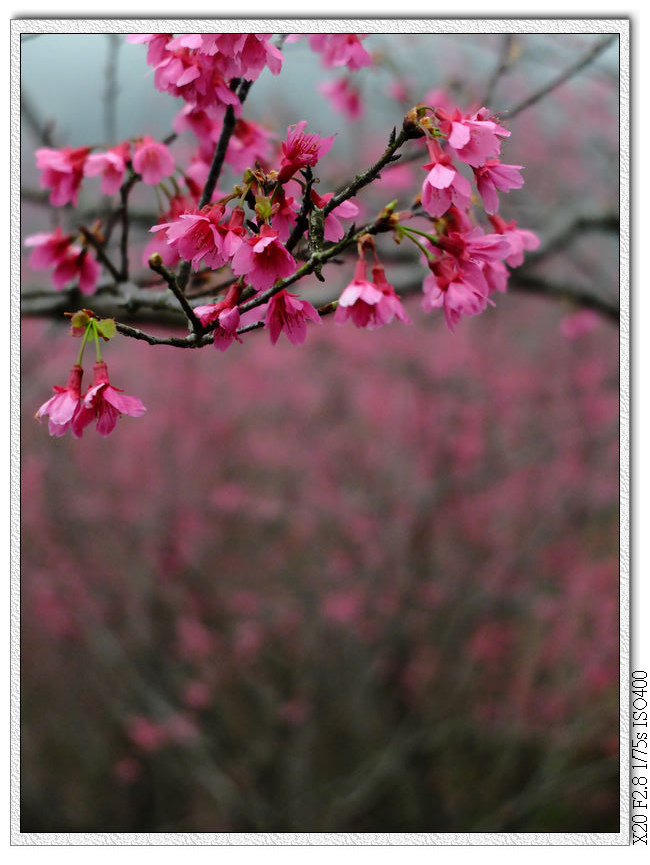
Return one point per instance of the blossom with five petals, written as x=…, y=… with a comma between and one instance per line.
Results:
x=105, y=403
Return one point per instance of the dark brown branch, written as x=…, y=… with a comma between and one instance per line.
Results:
x=302, y=220
x=191, y=341
x=227, y=129
x=368, y=176
x=606, y=222
x=155, y=263
x=90, y=239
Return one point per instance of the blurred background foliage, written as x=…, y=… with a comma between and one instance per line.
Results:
x=369, y=584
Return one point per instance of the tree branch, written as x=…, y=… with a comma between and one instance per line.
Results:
x=569, y=73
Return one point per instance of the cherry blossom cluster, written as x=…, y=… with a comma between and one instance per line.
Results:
x=273, y=227
x=102, y=403
x=62, y=172
x=466, y=264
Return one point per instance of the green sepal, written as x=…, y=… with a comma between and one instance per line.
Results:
x=106, y=328
x=79, y=319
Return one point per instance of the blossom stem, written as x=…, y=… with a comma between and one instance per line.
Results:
x=98, y=349
x=83, y=342
x=407, y=233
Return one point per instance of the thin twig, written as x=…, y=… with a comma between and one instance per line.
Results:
x=155, y=263
x=606, y=222
x=563, y=77
x=191, y=341
x=368, y=176
x=302, y=221
x=505, y=62
x=90, y=238
x=125, y=189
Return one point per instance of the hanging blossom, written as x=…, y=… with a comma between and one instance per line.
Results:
x=458, y=287
x=227, y=319
x=444, y=185
x=64, y=407
x=494, y=175
x=518, y=239
x=62, y=172
x=369, y=304
x=111, y=165
x=249, y=143
x=284, y=212
x=289, y=313
x=77, y=265
x=104, y=403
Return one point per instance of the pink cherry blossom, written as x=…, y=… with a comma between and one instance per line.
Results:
x=196, y=237
x=78, y=265
x=289, y=313
x=262, y=259
x=579, y=323
x=105, y=403
x=157, y=43
x=518, y=239
x=496, y=275
x=62, y=172
x=235, y=55
x=369, y=304
x=177, y=205
x=49, y=248
x=232, y=233
x=64, y=406
x=474, y=138
x=341, y=49
x=300, y=150
x=228, y=322
x=391, y=304
x=459, y=287
x=343, y=97
x=152, y=160
x=444, y=185
x=249, y=143
x=111, y=165
x=474, y=245
x=495, y=175
x=284, y=212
